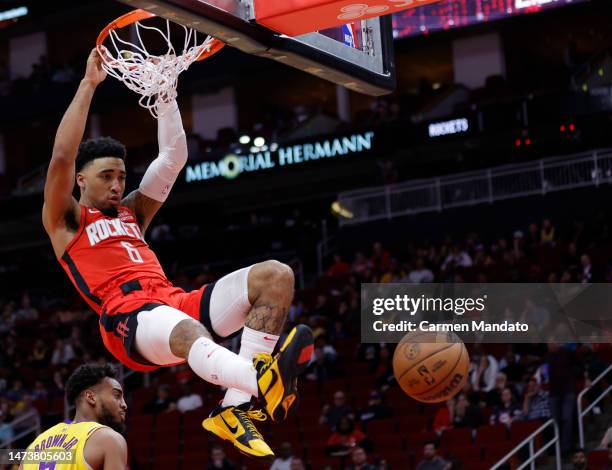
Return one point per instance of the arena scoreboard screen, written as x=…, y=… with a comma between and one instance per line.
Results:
x=449, y=14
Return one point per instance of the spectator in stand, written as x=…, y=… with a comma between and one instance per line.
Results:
x=457, y=258
x=467, y=411
x=333, y=414
x=218, y=460
x=322, y=364
x=494, y=397
x=606, y=442
x=6, y=430
x=360, y=264
x=345, y=437
x=532, y=240
x=547, y=234
x=162, y=402
x=322, y=308
x=431, y=460
x=161, y=232
x=579, y=460
x=16, y=392
x=339, y=268
x=360, y=460
x=382, y=367
x=586, y=274
x=376, y=409
x=40, y=391
x=443, y=420
x=26, y=312
x=40, y=355
x=536, y=402
x=380, y=260
x=189, y=400
x=484, y=371
x=58, y=382
x=508, y=411
x=62, y=353
x=27, y=416
x=394, y=273
x=420, y=274
x=285, y=456
x=561, y=370
x=297, y=464
x=512, y=367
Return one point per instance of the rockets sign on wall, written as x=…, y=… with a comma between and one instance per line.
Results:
x=231, y=166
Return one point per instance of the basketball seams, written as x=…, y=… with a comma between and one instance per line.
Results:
x=426, y=357
x=452, y=370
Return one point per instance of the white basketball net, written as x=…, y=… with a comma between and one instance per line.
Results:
x=153, y=76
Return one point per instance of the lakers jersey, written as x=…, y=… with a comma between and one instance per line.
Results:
x=62, y=439
x=106, y=252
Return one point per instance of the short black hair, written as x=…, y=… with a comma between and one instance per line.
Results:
x=85, y=376
x=98, y=148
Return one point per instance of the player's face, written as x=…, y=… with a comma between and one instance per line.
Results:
x=102, y=183
x=111, y=408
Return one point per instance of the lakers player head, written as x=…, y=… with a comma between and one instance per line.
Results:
x=97, y=396
x=100, y=174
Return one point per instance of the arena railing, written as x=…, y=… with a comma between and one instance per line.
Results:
x=533, y=455
x=35, y=428
x=582, y=413
x=537, y=177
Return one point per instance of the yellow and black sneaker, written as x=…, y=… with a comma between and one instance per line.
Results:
x=233, y=423
x=277, y=376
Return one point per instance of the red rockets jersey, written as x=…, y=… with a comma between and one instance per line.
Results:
x=107, y=252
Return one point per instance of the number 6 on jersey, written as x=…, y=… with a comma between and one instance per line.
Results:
x=132, y=252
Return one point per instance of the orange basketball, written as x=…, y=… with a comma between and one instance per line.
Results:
x=433, y=369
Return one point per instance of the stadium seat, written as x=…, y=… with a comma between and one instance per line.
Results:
x=492, y=434
x=418, y=439
x=456, y=437
x=192, y=420
x=168, y=422
x=165, y=462
x=521, y=429
x=384, y=442
x=465, y=453
x=414, y=423
x=193, y=459
x=598, y=459
x=496, y=450
x=375, y=427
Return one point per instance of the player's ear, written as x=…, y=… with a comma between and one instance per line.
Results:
x=90, y=397
x=80, y=180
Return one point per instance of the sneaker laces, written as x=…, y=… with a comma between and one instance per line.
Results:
x=246, y=420
x=262, y=359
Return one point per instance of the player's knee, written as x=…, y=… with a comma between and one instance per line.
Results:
x=272, y=274
x=184, y=334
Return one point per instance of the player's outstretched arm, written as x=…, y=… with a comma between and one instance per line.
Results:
x=106, y=449
x=61, y=172
x=163, y=171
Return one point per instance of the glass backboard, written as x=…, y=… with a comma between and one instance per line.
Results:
x=358, y=56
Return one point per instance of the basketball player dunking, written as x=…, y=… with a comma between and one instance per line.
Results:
x=145, y=321
x=94, y=436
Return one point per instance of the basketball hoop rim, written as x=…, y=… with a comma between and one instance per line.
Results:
x=138, y=15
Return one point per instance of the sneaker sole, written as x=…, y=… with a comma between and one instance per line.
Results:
x=211, y=427
x=296, y=353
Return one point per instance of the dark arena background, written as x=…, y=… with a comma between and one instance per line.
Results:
x=490, y=162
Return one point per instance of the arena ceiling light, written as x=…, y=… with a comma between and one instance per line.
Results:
x=340, y=211
x=13, y=13
x=259, y=141
x=244, y=139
